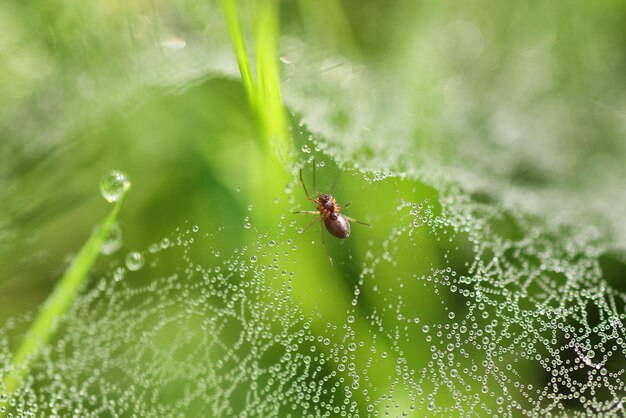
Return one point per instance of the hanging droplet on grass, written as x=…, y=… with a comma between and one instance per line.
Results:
x=113, y=185
x=134, y=261
x=113, y=240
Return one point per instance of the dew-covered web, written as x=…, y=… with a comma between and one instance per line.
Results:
x=483, y=288
x=181, y=329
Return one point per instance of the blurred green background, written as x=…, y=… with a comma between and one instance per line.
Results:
x=504, y=122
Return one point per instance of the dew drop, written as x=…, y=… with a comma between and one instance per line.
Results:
x=119, y=273
x=113, y=240
x=113, y=185
x=134, y=261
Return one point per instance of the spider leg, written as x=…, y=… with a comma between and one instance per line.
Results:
x=330, y=260
x=309, y=225
x=304, y=186
x=307, y=212
x=356, y=221
x=344, y=206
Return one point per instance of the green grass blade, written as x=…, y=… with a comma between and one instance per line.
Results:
x=264, y=96
x=270, y=104
x=231, y=15
x=59, y=301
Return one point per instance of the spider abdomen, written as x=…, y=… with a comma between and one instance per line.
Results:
x=337, y=225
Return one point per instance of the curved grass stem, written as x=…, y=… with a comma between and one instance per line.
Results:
x=59, y=301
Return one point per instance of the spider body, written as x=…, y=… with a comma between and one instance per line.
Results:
x=337, y=225
x=335, y=222
x=327, y=212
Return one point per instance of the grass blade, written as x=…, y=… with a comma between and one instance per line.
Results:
x=231, y=15
x=270, y=104
x=59, y=301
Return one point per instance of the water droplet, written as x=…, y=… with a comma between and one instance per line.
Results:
x=113, y=185
x=253, y=258
x=451, y=315
x=134, y=261
x=306, y=149
x=113, y=240
x=195, y=228
x=119, y=273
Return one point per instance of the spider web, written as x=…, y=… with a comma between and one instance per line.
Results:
x=485, y=288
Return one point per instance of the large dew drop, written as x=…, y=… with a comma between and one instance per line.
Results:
x=134, y=261
x=113, y=185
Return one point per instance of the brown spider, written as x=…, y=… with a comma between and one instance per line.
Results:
x=328, y=212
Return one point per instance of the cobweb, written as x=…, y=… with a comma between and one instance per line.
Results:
x=531, y=328
x=514, y=264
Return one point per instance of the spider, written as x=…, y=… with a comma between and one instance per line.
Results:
x=328, y=212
